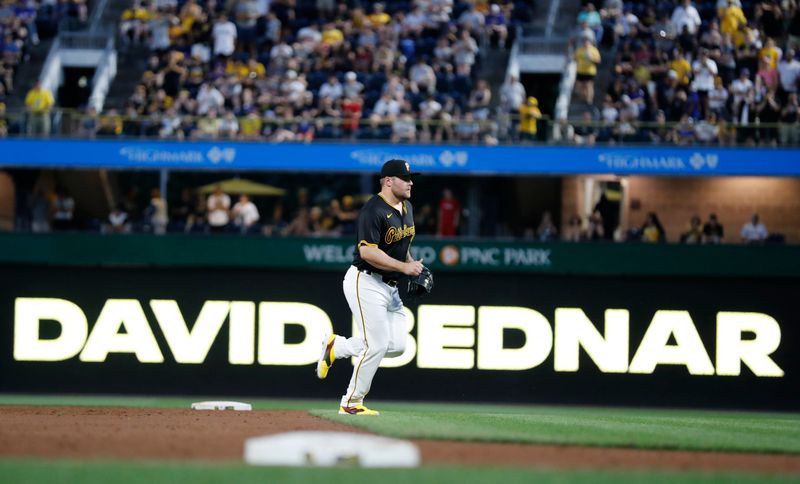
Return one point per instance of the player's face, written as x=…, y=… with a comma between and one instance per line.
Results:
x=401, y=187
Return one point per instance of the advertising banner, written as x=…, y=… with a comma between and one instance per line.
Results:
x=430, y=159
x=504, y=337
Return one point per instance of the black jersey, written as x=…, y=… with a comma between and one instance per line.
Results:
x=383, y=226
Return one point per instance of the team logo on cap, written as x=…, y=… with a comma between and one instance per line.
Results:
x=408, y=168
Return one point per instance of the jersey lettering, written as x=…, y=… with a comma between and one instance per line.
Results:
x=393, y=234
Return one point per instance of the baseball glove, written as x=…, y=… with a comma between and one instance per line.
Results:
x=420, y=285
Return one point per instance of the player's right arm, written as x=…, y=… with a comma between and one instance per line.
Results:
x=370, y=228
x=380, y=259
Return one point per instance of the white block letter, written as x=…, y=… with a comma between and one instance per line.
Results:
x=574, y=330
x=435, y=334
x=688, y=351
x=28, y=312
x=732, y=350
x=493, y=320
x=106, y=338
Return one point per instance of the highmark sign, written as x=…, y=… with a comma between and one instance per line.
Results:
x=461, y=256
x=443, y=159
x=457, y=337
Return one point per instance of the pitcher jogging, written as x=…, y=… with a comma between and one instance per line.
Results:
x=384, y=234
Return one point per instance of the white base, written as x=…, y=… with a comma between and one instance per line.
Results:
x=327, y=449
x=214, y=405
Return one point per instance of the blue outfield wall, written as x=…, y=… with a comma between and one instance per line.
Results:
x=449, y=159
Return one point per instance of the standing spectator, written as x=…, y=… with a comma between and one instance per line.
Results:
x=480, y=99
x=741, y=89
x=718, y=99
x=63, y=210
x=731, y=19
x=245, y=215
x=790, y=122
x=529, y=116
x=224, y=34
x=39, y=101
x=788, y=73
x=754, y=232
x=705, y=69
x=587, y=58
x=584, y=133
x=574, y=230
x=218, y=207
x=713, y=231
x=686, y=16
x=449, y=216
x=332, y=89
x=155, y=215
x=464, y=51
x=591, y=17
x=512, y=95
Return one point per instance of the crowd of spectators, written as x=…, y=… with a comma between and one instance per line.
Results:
x=708, y=72
x=290, y=70
x=593, y=228
x=325, y=214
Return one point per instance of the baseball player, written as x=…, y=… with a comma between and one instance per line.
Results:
x=384, y=232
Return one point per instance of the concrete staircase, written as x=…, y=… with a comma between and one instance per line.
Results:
x=27, y=74
x=133, y=62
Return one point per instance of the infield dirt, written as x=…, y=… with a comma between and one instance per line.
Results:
x=136, y=433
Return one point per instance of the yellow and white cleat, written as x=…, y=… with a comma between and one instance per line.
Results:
x=327, y=358
x=358, y=410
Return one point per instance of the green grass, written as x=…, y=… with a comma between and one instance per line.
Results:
x=638, y=428
x=150, y=472
x=614, y=427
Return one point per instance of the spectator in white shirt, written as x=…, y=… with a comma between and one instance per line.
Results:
x=472, y=20
x=352, y=88
x=741, y=88
x=208, y=98
x=386, y=107
x=422, y=77
x=245, y=214
x=224, y=35
x=789, y=72
x=217, y=207
x=705, y=69
x=512, y=94
x=686, y=14
x=754, y=232
x=332, y=88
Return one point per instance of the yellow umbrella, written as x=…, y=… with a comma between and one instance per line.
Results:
x=239, y=186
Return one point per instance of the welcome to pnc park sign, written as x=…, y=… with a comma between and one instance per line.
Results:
x=459, y=337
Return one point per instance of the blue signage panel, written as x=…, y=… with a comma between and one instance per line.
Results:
x=452, y=159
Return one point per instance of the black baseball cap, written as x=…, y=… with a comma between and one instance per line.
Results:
x=398, y=168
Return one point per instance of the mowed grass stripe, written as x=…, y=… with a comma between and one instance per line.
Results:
x=638, y=429
x=148, y=472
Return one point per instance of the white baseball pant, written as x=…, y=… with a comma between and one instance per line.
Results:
x=380, y=330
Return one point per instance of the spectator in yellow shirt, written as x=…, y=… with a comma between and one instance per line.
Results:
x=332, y=36
x=529, y=114
x=770, y=51
x=587, y=58
x=39, y=101
x=681, y=66
x=731, y=18
x=378, y=17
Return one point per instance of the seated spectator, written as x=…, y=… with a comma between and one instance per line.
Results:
x=480, y=99
x=713, y=231
x=595, y=230
x=754, y=232
x=790, y=122
x=652, y=231
x=546, y=231
x=245, y=215
x=497, y=25
x=573, y=232
x=118, y=220
x=464, y=51
x=694, y=235
x=404, y=128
